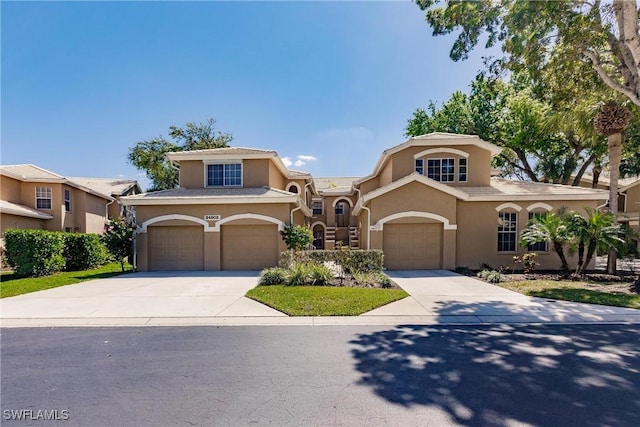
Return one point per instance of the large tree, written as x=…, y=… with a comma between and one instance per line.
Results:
x=538, y=35
x=149, y=155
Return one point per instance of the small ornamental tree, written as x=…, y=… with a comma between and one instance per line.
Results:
x=118, y=238
x=297, y=237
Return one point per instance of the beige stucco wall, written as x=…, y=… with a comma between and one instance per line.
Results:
x=276, y=179
x=192, y=174
x=369, y=185
x=10, y=190
x=95, y=214
x=8, y=221
x=255, y=172
x=633, y=199
x=329, y=210
x=477, y=234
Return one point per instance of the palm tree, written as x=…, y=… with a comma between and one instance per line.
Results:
x=611, y=120
x=549, y=228
x=597, y=231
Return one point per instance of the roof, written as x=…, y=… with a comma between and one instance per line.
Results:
x=505, y=189
x=108, y=186
x=603, y=179
x=334, y=185
x=29, y=172
x=435, y=140
x=220, y=151
x=21, y=210
x=211, y=196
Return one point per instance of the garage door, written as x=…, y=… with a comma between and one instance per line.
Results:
x=249, y=247
x=412, y=246
x=176, y=248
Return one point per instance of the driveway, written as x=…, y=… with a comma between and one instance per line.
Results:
x=217, y=298
x=453, y=298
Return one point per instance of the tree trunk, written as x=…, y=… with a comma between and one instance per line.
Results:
x=560, y=251
x=579, y=268
x=590, y=252
x=615, y=154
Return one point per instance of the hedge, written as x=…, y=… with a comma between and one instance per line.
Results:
x=84, y=251
x=351, y=260
x=34, y=252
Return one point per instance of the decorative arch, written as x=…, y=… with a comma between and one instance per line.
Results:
x=161, y=218
x=508, y=205
x=258, y=217
x=339, y=199
x=319, y=223
x=441, y=150
x=539, y=205
x=415, y=214
x=294, y=184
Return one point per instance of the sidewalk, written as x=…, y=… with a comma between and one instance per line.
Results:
x=217, y=298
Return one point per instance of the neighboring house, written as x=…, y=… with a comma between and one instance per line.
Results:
x=429, y=203
x=32, y=197
x=116, y=188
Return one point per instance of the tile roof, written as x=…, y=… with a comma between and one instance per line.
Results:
x=325, y=184
x=29, y=172
x=108, y=186
x=21, y=210
x=501, y=188
x=224, y=150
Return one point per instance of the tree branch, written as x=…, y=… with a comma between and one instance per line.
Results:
x=583, y=169
x=608, y=80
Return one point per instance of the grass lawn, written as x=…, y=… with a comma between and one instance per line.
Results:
x=324, y=300
x=12, y=285
x=574, y=291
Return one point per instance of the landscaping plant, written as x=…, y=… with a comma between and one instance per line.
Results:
x=297, y=237
x=118, y=238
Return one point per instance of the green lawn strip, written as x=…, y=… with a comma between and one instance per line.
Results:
x=572, y=291
x=324, y=300
x=12, y=285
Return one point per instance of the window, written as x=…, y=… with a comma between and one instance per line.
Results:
x=420, y=166
x=507, y=231
x=441, y=169
x=224, y=175
x=433, y=169
x=293, y=189
x=316, y=207
x=462, y=170
x=540, y=246
x=340, y=208
x=67, y=201
x=43, y=197
x=448, y=170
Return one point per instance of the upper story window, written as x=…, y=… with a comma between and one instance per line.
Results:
x=316, y=207
x=462, y=170
x=420, y=166
x=441, y=169
x=43, y=197
x=293, y=188
x=224, y=175
x=67, y=201
x=507, y=231
x=339, y=208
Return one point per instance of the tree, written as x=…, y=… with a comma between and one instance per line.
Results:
x=596, y=231
x=596, y=37
x=149, y=155
x=553, y=228
x=297, y=237
x=611, y=120
x=118, y=238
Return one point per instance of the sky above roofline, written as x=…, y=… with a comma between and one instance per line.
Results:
x=328, y=85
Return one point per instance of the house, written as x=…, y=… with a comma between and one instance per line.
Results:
x=429, y=203
x=114, y=187
x=32, y=197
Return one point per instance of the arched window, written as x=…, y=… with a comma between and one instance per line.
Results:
x=293, y=188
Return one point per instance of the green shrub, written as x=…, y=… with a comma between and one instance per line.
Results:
x=84, y=251
x=118, y=238
x=463, y=270
x=299, y=274
x=491, y=276
x=297, y=237
x=320, y=274
x=34, y=252
x=372, y=278
x=350, y=260
x=273, y=276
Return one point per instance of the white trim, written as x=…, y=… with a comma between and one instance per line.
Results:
x=379, y=226
x=208, y=200
x=466, y=174
x=289, y=184
x=508, y=206
x=317, y=199
x=259, y=217
x=319, y=223
x=441, y=150
x=335, y=202
x=539, y=205
x=162, y=218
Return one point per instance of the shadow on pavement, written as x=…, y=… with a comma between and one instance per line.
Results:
x=498, y=375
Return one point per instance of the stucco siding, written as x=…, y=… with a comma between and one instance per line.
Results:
x=8, y=221
x=10, y=190
x=255, y=172
x=192, y=174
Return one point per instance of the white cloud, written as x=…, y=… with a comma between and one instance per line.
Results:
x=287, y=161
x=301, y=160
x=305, y=158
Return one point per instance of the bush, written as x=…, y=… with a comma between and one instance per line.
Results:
x=299, y=274
x=273, y=276
x=491, y=276
x=350, y=260
x=372, y=278
x=84, y=251
x=297, y=237
x=320, y=274
x=34, y=252
x=118, y=238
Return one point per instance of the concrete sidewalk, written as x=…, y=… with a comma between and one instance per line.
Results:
x=217, y=298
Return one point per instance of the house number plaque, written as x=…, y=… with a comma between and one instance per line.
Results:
x=212, y=217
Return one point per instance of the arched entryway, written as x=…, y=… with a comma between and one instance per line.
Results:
x=318, y=236
x=342, y=213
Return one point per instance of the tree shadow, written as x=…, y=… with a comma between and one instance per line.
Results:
x=500, y=375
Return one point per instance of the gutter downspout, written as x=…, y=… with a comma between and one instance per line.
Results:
x=295, y=209
x=368, y=220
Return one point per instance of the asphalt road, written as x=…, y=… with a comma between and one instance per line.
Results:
x=322, y=376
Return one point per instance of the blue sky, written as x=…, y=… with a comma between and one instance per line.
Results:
x=333, y=82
